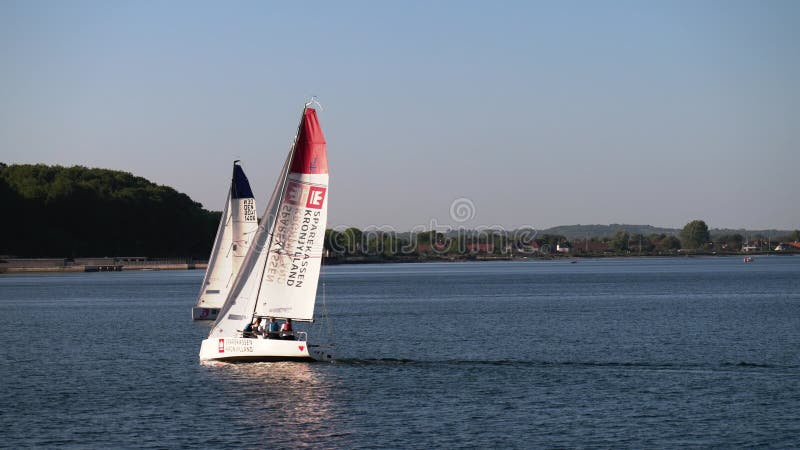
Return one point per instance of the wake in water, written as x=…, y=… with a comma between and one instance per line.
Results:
x=556, y=364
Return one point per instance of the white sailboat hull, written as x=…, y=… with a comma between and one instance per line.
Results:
x=199, y=313
x=233, y=349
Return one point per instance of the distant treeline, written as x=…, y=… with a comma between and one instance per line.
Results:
x=353, y=244
x=610, y=231
x=54, y=211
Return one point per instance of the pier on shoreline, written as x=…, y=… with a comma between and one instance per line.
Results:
x=34, y=265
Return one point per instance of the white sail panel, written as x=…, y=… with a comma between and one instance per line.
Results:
x=220, y=266
x=289, y=284
x=238, y=308
x=244, y=224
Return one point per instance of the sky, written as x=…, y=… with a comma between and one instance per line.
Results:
x=446, y=113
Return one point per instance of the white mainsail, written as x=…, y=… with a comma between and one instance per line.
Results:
x=235, y=233
x=280, y=272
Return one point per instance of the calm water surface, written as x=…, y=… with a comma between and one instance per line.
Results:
x=693, y=352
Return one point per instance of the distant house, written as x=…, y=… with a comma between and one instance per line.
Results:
x=591, y=246
x=563, y=247
x=795, y=244
x=749, y=248
x=480, y=248
x=427, y=248
x=531, y=247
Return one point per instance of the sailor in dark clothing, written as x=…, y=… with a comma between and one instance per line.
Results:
x=273, y=329
x=286, y=330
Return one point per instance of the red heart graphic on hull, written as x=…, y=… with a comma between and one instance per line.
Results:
x=301, y=347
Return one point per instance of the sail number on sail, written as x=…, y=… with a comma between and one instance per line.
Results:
x=249, y=208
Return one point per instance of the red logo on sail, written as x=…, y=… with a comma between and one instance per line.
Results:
x=316, y=197
x=222, y=345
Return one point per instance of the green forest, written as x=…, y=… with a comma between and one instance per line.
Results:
x=54, y=211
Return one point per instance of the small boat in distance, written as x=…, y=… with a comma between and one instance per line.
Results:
x=236, y=229
x=748, y=259
x=279, y=276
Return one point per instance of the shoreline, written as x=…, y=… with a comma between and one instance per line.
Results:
x=533, y=257
x=100, y=268
x=77, y=268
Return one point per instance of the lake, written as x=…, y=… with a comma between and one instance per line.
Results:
x=628, y=352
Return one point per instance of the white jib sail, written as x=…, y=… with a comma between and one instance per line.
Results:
x=234, y=236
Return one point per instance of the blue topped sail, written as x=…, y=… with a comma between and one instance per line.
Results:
x=240, y=187
x=237, y=226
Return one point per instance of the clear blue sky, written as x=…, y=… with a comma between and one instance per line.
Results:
x=540, y=114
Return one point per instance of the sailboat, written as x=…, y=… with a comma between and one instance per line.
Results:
x=236, y=230
x=279, y=276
